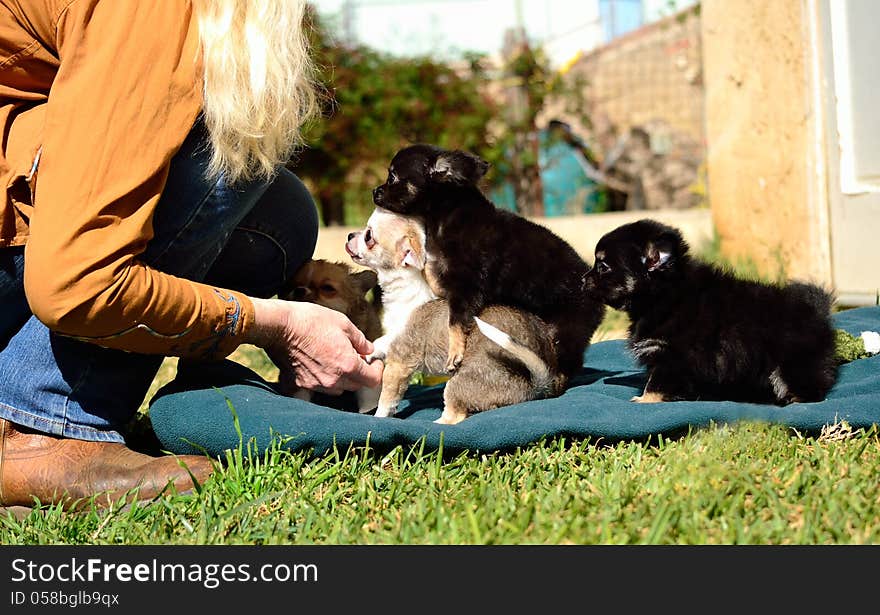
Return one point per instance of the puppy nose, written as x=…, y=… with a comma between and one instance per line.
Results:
x=351, y=236
x=299, y=293
x=377, y=194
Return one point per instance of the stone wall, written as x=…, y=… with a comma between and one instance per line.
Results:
x=653, y=73
x=643, y=95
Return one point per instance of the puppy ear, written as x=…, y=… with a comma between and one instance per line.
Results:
x=409, y=260
x=656, y=257
x=458, y=167
x=365, y=280
x=662, y=252
x=306, y=272
x=413, y=254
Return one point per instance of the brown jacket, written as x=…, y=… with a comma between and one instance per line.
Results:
x=95, y=98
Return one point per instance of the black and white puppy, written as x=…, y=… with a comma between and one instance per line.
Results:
x=704, y=334
x=478, y=255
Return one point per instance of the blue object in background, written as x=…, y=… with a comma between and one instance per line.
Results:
x=503, y=196
x=567, y=188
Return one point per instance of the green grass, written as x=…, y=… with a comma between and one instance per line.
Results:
x=746, y=484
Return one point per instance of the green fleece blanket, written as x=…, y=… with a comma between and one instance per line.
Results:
x=198, y=410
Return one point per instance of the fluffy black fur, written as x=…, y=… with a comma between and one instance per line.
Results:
x=479, y=255
x=704, y=334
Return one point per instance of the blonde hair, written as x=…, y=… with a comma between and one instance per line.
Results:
x=259, y=84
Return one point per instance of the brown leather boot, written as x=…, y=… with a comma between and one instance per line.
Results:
x=64, y=470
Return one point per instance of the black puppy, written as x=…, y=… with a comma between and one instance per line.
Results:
x=478, y=255
x=704, y=334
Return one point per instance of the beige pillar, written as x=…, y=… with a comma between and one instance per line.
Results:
x=764, y=136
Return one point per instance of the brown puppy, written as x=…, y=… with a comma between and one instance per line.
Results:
x=510, y=360
x=479, y=255
x=338, y=287
x=499, y=369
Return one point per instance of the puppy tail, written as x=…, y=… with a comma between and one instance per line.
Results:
x=819, y=298
x=538, y=369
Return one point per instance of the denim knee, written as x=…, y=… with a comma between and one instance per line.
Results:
x=272, y=241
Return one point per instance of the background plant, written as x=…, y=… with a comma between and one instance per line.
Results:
x=375, y=103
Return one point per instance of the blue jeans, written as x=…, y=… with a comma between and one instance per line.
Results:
x=250, y=237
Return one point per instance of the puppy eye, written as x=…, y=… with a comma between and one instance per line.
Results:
x=392, y=178
x=602, y=267
x=368, y=238
x=327, y=289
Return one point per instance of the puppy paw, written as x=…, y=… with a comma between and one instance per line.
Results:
x=380, y=349
x=375, y=356
x=648, y=398
x=453, y=362
x=453, y=413
x=457, y=342
x=449, y=419
x=385, y=411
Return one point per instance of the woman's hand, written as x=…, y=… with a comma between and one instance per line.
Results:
x=314, y=347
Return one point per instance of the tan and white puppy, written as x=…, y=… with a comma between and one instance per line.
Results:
x=394, y=247
x=514, y=360
x=338, y=287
